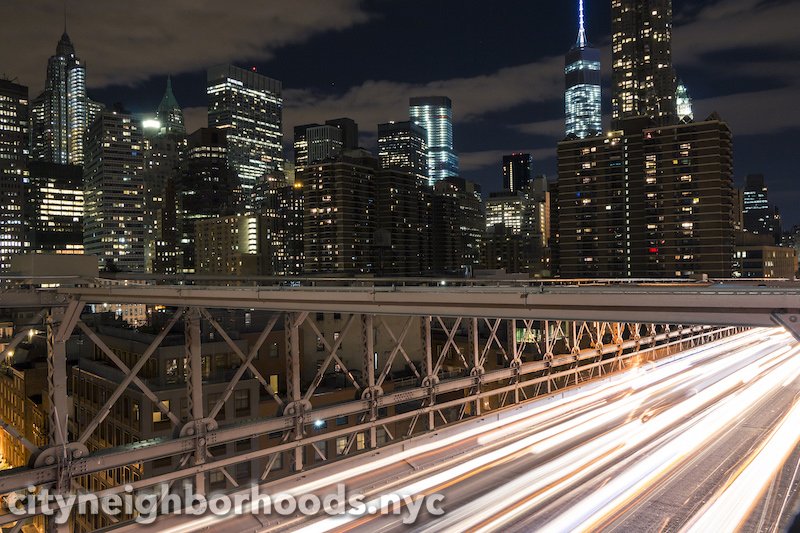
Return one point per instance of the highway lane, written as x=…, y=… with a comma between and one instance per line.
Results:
x=583, y=472
x=590, y=459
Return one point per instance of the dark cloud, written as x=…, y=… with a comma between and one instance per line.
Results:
x=373, y=102
x=124, y=45
x=505, y=75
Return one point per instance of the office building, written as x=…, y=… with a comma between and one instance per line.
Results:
x=643, y=78
x=114, y=213
x=582, y=98
x=688, y=193
x=764, y=261
x=340, y=218
x=554, y=239
x=314, y=143
x=518, y=229
x=435, y=115
x=54, y=213
x=60, y=114
x=459, y=224
x=403, y=146
x=759, y=217
x=517, y=171
x=13, y=169
x=208, y=186
x=349, y=130
x=163, y=157
x=229, y=245
x=280, y=206
x=249, y=107
x=164, y=150
x=593, y=208
x=169, y=113
x=683, y=103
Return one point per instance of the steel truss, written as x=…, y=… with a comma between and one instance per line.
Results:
x=529, y=358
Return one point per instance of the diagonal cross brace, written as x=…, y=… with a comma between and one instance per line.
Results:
x=106, y=409
x=136, y=380
x=247, y=361
x=451, y=334
x=331, y=356
x=398, y=347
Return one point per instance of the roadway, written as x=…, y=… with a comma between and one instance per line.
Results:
x=705, y=440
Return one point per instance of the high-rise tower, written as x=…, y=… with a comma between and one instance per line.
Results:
x=516, y=171
x=113, y=220
x=683, y=103
x=435, y=114
x=249, y=107
x=60, y=114
x=403, y=146
x=643, y=77
x=13, y=171
x=582, y=98
x=169, y=113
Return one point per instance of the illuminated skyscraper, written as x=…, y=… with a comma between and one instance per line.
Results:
x=281, y=208
x=403, y=146
x=13, y=172
x=683, y=102
x=759, y=216
x=164, y=149
x=435, y=114
x=583, y=95
x=516, y=171
x=651, y=203
x=249, y=107
x=207, y=187
x=643, y=77
x=170, y=114
x=60, y=115
x=54, y=210
x=340, y=214
x=458, y=226
x=518, y=229
x=114, y=212
x=314, y=143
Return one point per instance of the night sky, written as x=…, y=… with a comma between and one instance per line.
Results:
x=500, y=61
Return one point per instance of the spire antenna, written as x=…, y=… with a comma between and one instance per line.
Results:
x=581, y=26
x=65, y=16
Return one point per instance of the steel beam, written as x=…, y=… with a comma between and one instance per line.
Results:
x=724, y=305
x=194, y=390
x=20, y=478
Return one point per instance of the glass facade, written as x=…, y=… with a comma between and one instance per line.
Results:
x=114, y=211
x=758, y=216
x=170, y=114
x=582, y=99
x=55, y=208
x=249, y=107
x=684, y=103
x=643, y=79
x=13, y=171
x=403, y=146
x=435, y=115
x=517, y=171
x=60, y=115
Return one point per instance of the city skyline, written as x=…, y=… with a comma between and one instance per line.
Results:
x=525, y=112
